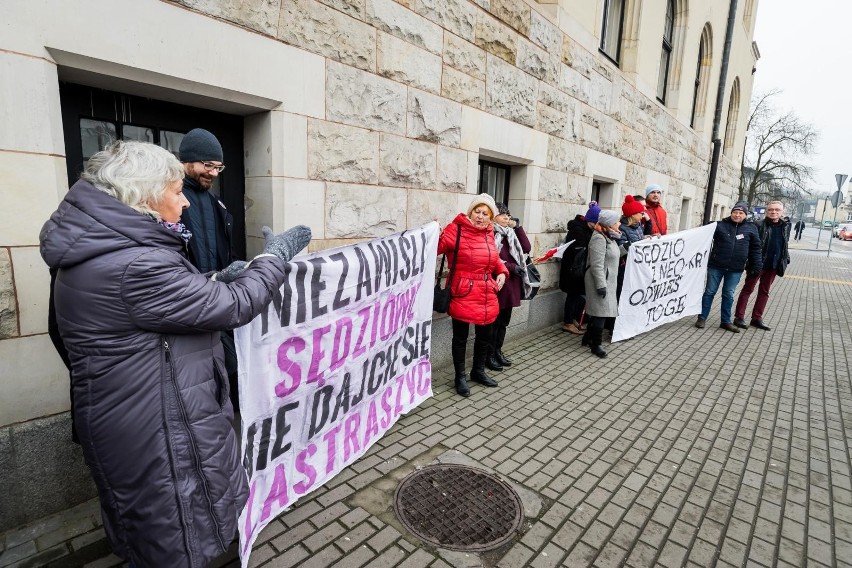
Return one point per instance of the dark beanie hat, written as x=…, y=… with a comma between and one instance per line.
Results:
x=503, y=209
x=200, y=145
x=631, y=206
x=741, y=206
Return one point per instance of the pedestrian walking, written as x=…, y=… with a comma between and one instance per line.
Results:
x=800, y=226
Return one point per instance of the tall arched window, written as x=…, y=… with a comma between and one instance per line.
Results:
x=702, y=78
x=611, y=28
x=666, y=53
x=733, y=116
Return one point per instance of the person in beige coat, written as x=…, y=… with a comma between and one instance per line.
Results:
x=601, y=279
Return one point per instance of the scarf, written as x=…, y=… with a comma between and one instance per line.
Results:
x=178, y=228
x=506, y=234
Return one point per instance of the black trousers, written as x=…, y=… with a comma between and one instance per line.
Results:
x=461, y=331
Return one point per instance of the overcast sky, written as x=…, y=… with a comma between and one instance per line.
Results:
x=806, y=50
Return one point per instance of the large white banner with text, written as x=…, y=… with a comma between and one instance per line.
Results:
x=341, y=352
x=663, y=281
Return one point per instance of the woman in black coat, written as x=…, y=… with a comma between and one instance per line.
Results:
x=580, y=230
x=513, y=246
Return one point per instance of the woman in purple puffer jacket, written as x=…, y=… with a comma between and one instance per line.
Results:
x=141, y=327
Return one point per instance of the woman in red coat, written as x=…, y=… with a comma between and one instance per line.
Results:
x=478, y=276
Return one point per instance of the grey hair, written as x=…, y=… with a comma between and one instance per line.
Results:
x=135, y=173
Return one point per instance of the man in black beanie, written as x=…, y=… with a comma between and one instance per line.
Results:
x=209, y=222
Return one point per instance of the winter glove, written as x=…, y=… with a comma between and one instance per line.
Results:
x=286, y=245
x=230, y=272
x=519, y=270
x=602, y=292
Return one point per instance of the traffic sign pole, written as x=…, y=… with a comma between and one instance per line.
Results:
x=836, y=200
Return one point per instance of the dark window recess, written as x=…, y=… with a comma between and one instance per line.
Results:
x=697, y=84
x=611, y=29
x=94, y=118
x=596, y=191
x=494, y=180
x=666, y=53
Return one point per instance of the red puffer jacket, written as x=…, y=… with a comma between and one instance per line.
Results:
x=474, y=290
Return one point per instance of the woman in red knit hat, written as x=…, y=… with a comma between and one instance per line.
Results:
x=632, y=230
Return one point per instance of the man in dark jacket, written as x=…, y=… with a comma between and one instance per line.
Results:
x=736, y=245
x=800, y=226
x=208, y=220
x=774, y=237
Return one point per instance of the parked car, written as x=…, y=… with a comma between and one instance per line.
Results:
x=845, y=233
x=827, y=225
x=838, y=226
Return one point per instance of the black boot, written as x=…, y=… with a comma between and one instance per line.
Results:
x=595, y=340
x=480, y=354
x=491, y=361
x=458, y=362
x=499, y=337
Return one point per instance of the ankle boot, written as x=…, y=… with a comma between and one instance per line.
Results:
x=499, y=337
x=595, y=340
x=480, y=354
x=458, y=364
x=491, y=361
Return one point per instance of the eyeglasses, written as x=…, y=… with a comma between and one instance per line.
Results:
x=774, y=209
x=210, y=166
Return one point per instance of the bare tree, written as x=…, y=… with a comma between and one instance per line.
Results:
x=777, y=144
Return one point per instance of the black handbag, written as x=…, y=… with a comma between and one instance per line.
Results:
x=535, y=280
x=441, y=299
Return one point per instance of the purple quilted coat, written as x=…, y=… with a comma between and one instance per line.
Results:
x=141, y=326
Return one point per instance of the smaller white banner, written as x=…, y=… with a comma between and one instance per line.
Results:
x=663, y=281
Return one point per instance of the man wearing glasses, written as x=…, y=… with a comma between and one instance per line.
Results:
x=209, y=222
x=774, y=237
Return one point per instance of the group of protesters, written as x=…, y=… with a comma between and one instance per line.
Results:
x=486, y=247
x=144, y=285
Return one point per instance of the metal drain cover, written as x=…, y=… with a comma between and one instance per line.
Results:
x=458, y=507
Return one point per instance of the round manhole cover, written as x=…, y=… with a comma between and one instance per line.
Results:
x=458, y=507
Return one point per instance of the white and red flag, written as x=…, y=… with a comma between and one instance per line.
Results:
x=555, y=252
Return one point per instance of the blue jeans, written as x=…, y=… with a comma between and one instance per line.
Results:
x=714, y=278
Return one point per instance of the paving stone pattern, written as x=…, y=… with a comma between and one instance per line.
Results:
x=684, y=447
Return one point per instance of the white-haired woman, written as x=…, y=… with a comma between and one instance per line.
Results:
x=141, y=328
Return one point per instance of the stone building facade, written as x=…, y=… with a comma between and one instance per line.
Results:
x=358, y=118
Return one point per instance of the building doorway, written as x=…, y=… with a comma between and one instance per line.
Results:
x=92, y=118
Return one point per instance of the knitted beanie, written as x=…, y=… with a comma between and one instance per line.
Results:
x=652, y=188
x=608, y=218
x=483, y=199
x=631, y=206
x=740, y=206
x=200, y=145
x=591, y=215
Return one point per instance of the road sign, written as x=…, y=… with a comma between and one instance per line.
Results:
x=841, y=179
x=836, y=198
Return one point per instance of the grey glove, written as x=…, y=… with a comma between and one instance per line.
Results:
x=601, y=292
x=286, y=245
x=230, y=272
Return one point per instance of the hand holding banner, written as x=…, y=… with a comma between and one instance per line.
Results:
x=663, y=281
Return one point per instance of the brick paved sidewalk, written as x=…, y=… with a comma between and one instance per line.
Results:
x=684, y=447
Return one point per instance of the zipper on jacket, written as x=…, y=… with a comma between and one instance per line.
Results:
x=196, y=457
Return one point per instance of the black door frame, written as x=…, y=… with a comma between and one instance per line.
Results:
x=80, y=101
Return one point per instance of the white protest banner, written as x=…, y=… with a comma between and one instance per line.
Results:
x=663, y=281
x=341, y=352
